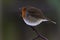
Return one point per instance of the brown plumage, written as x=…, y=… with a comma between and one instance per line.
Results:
x=34, y=12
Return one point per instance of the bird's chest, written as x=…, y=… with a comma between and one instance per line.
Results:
x=32, y=21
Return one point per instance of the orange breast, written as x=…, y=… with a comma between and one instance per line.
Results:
x=23, y=12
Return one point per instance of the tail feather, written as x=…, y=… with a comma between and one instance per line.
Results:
x=53, y=22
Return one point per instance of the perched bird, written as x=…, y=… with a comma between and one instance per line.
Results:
x=33, y=16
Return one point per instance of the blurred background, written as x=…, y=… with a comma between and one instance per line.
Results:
x=12, y=27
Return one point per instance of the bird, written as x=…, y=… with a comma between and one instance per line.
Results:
x=33, y=16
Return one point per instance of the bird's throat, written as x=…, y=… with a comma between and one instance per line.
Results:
x=24, y=12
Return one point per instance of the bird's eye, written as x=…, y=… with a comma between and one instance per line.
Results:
x=27, y=14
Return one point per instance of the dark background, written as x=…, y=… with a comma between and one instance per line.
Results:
x=14, y=27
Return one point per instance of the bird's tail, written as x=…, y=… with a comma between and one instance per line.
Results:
x=53, y=22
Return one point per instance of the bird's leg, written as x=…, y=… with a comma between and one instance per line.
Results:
x=39, y=35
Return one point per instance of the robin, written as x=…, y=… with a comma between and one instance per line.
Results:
x=33, y=16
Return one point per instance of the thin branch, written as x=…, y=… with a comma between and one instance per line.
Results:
x=39, y=35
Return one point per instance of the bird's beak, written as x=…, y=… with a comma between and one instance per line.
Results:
x=20, y=12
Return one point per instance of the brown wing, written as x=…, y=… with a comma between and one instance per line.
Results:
x=35, y=12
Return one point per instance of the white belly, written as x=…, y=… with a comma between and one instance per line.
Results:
x=33, y=21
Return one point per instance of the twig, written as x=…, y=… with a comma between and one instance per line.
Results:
x=39, y=35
